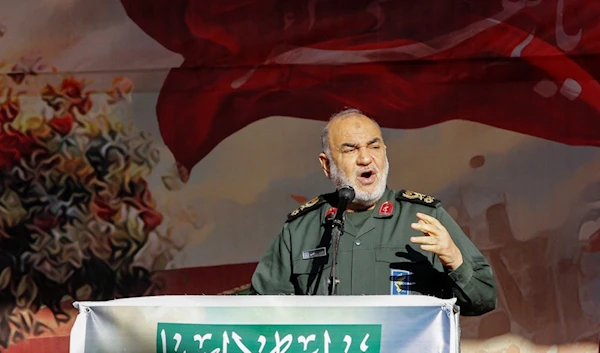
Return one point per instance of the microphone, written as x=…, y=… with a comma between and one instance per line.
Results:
x=346, y=195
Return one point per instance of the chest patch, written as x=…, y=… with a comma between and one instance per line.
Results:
x=400, y=282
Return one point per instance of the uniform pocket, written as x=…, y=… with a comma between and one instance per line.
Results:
x=408, y=273
x=310, y=276
x=392, y=271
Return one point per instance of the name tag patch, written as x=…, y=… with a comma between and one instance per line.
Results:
x=311, y=254
x=400, y=282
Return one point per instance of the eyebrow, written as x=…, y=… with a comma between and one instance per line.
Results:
x=372, y=141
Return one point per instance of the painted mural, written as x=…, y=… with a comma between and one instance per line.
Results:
x=154, y=147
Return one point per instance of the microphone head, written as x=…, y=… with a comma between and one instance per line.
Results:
x=346, y=192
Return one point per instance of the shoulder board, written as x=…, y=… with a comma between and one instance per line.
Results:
x=306, y=207
x=417, y=197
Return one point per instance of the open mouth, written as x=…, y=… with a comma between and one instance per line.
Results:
x=367, y=177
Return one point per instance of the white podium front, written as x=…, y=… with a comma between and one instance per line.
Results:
x=267, y=324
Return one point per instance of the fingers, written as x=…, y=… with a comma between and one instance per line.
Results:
x=436, y=240
x=426, y=240
x=430, y=248
x=433, y=230
x=428, y=219
x=425, y=228
x=427, y=243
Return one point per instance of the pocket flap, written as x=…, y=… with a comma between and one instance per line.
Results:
x=388, y=255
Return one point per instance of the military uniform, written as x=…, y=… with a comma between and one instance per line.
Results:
x=375, y=254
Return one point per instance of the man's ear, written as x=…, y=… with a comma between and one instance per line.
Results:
x=324, y=163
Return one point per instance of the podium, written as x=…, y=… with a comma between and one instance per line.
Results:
x=267, y=324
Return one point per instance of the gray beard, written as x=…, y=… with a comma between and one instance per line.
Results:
x=363, y=198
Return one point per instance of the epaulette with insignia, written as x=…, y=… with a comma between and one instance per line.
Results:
x=306, y=207
x=417, y=197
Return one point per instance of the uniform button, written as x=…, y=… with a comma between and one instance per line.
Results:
x=357, y=242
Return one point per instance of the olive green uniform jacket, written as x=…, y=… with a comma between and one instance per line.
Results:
x=376, y=258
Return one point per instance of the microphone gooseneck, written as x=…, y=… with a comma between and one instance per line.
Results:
x=346, y=195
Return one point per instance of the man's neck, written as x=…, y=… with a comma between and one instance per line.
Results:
x=360, y=208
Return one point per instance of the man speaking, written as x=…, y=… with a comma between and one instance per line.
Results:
x=394, y=242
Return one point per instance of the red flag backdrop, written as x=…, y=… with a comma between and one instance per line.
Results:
x=526, y=66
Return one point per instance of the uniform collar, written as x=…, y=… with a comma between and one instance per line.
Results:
x=386, y=207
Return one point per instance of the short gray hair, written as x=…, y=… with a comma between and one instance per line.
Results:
x=342, y=114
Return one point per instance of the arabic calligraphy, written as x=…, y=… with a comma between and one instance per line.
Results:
x=565, y=41
x=200, y=338
x=310, y=55
x=375, y=9
x=305, y=55
x=519, y=48
x=515, y=6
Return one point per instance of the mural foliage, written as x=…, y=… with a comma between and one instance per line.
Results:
x=78, y=220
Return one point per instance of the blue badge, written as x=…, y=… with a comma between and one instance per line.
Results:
x=401, y=282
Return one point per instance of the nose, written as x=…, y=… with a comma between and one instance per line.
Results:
x=364, y=157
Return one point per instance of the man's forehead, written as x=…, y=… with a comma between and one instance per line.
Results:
x=355, y=128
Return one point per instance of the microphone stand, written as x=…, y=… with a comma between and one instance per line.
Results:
x=346, y=195
x=336, y=234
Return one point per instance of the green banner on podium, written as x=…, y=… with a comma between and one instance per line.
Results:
x=267, y=324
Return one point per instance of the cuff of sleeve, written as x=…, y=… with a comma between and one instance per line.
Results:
x=462, y=275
